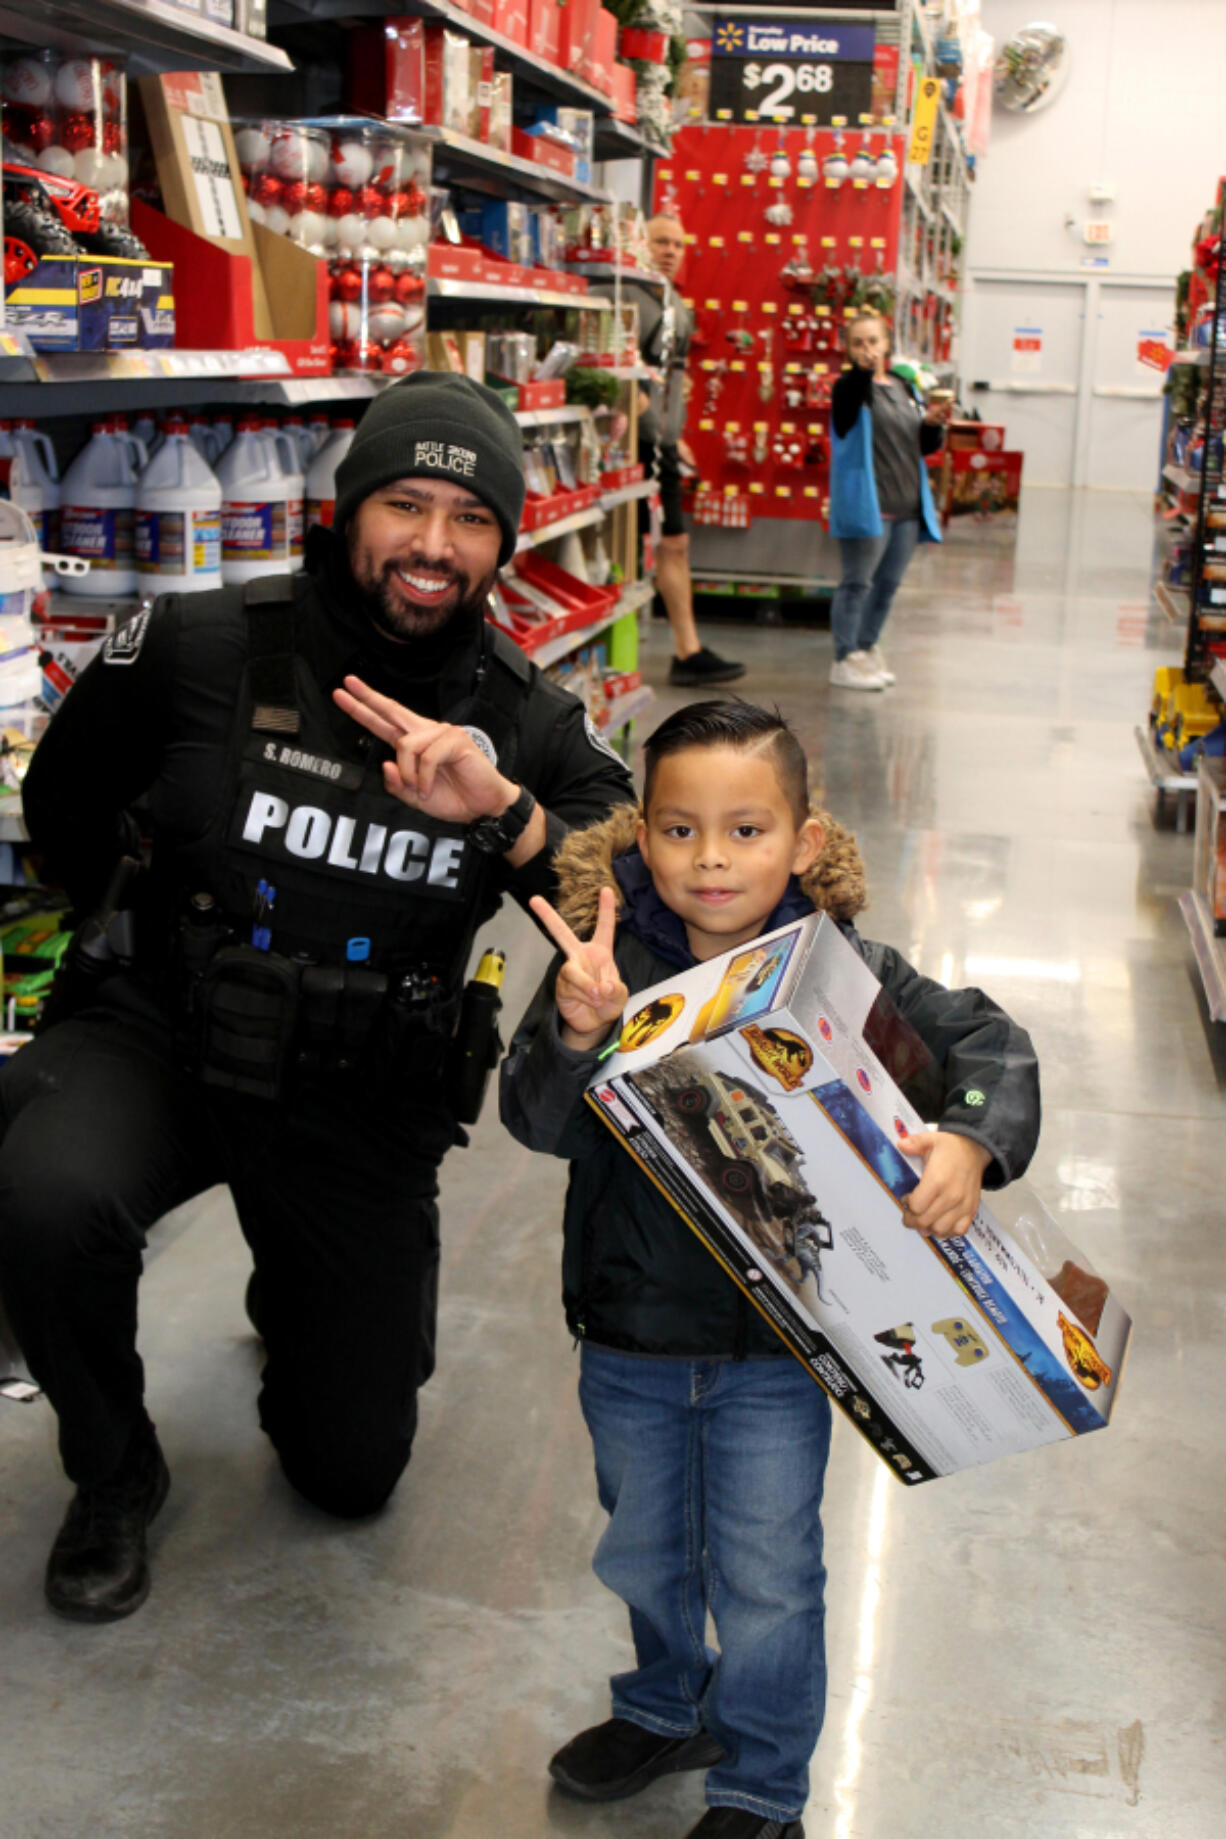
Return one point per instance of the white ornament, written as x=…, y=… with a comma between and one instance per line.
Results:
x=414, y=319
x=345, y=319
x=781, y=166
x=115, y=169
x=834, y=168
x=318, y=159
x=254, y=149
x=352, y=164
x=310, y=228
x=331, y=232
x=349, y=231
x=75, y=84
x=57, y=160
x=28, y=82
x=276, y=217
x=89, y=168
x=887, y=167
x=386, y=322
x=413, y=233
x=382, y=232
x=863, y=166
x=288, y=158
x=806, y=164
x=255, y=211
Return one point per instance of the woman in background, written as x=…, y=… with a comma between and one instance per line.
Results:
x=880, y=500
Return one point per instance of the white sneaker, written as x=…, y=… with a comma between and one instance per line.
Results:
x=855, y=672
x=878, y=663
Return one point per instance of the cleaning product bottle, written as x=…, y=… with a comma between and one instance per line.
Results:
x=222, y=435
x=254, y=506
x=42, y=469
x=97, y=507
x=321, y=479
x=287, y=456
x=200, y=434
x=178, y=517
x=319, y=428
x=138, y=446
x=303, y=439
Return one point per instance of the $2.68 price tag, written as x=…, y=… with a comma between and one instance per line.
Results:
x=778, y=70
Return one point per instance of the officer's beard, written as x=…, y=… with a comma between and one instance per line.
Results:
x=401, y=618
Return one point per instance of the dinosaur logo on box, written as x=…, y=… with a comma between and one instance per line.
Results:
x=787, y=1057
x=1083, y=1357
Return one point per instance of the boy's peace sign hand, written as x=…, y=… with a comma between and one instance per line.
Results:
x=590, y=993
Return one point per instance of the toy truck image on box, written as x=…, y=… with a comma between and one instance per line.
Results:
x=763, y=1093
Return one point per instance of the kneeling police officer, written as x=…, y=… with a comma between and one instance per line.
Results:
x=341, y=773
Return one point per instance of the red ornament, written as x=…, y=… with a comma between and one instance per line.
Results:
x=402, y=358
x=36, y=130
x=112, y=137
x=364, y=356
x=266, y=188
x=341, y=202
x=347, y=284
x=370, y=201
x=415, y=201
x=112, y=89
x=316, y=198
x=343, y=355
x=396, y=205
x=410, y=287
x=293, y=198
x=381, y=284
x=77, y=132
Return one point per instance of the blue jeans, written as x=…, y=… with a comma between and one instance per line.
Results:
x=873, y=567
x=711, y=1472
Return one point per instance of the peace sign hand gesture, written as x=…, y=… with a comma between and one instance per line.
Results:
x=438, y=769
x=590, y=993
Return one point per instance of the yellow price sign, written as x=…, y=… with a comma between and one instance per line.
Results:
x=924, y=121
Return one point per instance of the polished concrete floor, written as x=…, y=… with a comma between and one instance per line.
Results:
x=1033, y=1650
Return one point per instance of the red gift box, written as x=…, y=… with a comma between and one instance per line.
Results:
x=625, y=93
x=386, y=70
x=578, y=34
x=622, y=475
x=604, y=52
x=450, y=262
x=647, y=47
x=511, y=19
x=543, y=151
x=545, y=29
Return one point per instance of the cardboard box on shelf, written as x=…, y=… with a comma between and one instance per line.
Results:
x=43, y=304
x=545, y=29
x=577, y=35
x=502, y=97
x=604, y=52
x=511, y=19
x=758, y=1092
x=625, y=85
x=982, y=491
x=448, y=99
x=481, y=90
x=461, y=352
x=543, y=151
x=125, y=305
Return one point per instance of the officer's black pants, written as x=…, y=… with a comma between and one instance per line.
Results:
x=101, y=1135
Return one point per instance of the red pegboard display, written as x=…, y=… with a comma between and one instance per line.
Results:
x=769, y=300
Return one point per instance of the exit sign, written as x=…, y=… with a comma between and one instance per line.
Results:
x=1099, y=232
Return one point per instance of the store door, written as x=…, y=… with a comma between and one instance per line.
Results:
x=1020, y=365
x=1124, y=421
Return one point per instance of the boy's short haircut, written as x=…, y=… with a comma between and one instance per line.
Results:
x=733, y=723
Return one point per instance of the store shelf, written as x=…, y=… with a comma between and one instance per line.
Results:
x=627, y=494
x=489, y=170
x=1209, y=951
x=555, y=649
x=618, y=140
x=627, y=709
x=551, y=418
x=94, y=383
x=1173, y=601
x=1166, y=779
x=529, y=69
x=611, y=272
x=578, y=520
x=468, y=291
x=150, y=34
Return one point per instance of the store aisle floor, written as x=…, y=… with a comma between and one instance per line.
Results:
x=1029, y=1650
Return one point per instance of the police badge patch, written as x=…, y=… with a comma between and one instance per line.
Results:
x=481, y=740
x=123, y=647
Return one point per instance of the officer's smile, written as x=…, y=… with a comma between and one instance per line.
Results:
x=423, y=549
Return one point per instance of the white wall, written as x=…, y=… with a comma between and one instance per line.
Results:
x=1144, y=110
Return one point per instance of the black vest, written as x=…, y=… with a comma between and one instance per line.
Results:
x=309, y=817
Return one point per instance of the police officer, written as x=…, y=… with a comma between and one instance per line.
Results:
x=340, y=773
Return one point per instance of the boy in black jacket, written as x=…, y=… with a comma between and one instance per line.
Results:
x=710, y=1439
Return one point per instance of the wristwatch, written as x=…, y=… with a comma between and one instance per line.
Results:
x=493, y=836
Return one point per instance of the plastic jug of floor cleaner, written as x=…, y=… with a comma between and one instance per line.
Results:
x=321, y=479
x=20, y=581
x=254, y=506
x=303, y=439
x=287, y=456
x=42, y=473
x=222, y=435
x=178, y=518
x=320, y=430
x=97, y=510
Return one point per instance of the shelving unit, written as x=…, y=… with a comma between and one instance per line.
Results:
x=152, y=36
x=1167, y=780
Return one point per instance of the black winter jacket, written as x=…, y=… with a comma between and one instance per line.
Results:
x=634, y=1276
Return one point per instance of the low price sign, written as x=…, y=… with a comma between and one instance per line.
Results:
x=786, y=70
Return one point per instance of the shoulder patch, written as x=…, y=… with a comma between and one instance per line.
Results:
x=480, y=739
x=124, y=646
x=599, y=742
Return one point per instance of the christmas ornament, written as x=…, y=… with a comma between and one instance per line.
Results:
x=781, y=166
x=755, y=159
x=834, y=167
x=887, y=168
x=75, y=84
x=381, y=284
x=76, y=132
x=778, y=213
x=27, y=81
x=863, y=166
x=352, y=163
x=806, y=165
x=402, y=358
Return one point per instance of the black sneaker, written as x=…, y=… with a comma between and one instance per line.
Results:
x=618, y=1758
x=97, y=1571
x=703, y=667
x=735, y=1823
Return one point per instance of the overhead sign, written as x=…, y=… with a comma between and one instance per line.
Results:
x=783, y=70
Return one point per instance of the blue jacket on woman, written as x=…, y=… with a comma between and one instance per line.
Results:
x=854, y=510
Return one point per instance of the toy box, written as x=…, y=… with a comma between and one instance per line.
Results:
x=125, y=304
x=43, y=304
x=763, y=1094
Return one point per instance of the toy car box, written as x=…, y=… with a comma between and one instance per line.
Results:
x=763, y=1093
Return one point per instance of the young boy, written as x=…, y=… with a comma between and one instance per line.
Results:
x=710, y=1438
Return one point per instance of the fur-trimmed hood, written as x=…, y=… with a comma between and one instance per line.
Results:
x=584, y=865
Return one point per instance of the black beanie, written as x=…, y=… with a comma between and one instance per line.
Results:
x=438, y=425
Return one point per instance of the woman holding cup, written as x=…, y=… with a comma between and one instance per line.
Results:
x=880, y=500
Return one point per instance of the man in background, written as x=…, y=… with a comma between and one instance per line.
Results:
x=666, y=325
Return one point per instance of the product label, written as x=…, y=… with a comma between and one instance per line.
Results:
x=254, y=532
x=103, y=537
x=178, y=542
x=321, y=511
x=294, y=527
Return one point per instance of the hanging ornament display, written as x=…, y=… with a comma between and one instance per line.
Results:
x=887, y=168
x=806, y=165
x=834, y=167
x=755, y=160
x=779, y=213
x=781, y=166
x=863, y=166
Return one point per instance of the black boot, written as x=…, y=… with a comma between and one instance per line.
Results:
x=735, y=1823
x=616, y=1759
x=97, y=1571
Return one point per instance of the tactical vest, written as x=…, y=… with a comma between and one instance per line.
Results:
x=308, y=858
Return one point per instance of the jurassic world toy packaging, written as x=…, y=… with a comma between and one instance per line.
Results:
x=763, y=1093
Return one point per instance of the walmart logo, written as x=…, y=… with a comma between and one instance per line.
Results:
x=730, y=37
